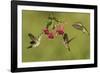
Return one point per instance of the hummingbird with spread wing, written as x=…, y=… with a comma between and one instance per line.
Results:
x=35, y=41
x=66, y=41
x=81, y=27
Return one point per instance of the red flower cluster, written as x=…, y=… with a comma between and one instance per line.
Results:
x=48, y=33
x=59, y=30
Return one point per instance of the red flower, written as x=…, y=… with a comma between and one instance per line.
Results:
x=50, y=35
x=46, y=31
x=60, y=30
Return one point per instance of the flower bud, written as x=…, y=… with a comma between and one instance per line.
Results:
x=46, y=31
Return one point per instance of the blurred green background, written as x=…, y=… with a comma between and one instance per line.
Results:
x=52, y=50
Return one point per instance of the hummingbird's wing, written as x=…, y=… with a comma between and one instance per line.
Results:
x=32, y=37
x=78, y=27
x=33, y=42
x=86, y=30
x=70, y=40
x=29, y=47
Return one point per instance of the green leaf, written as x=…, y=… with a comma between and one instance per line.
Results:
x=48, y=23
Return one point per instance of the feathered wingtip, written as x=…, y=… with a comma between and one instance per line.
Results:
x=29, y=47
x=71, y=39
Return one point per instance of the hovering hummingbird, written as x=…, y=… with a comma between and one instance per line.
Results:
x=67, y=41
x=80, y=27
x=35, y=41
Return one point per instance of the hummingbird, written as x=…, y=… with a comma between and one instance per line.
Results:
x=35, y=41
x=66, y=41
x=81, y=27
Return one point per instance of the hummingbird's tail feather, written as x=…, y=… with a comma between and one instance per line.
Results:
x=86, y=33
x=29, y=47
x=67, y=47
